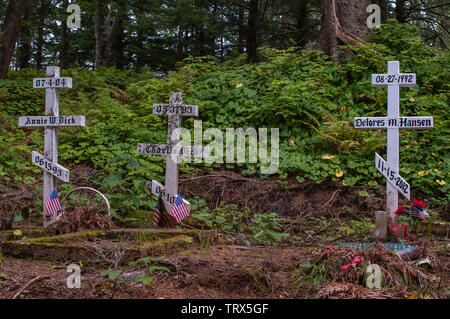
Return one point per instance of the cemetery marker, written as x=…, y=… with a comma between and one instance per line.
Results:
x=51, y=121
x=392, y=123
x=175, y=109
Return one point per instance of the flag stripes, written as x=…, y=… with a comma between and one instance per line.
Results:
x=179, y=209
x=52, y=204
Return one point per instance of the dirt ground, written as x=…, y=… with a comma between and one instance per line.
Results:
x=225, y=269
x=218, y=271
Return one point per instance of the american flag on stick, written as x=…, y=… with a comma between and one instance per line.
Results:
x=52, y=204
x=179, y=209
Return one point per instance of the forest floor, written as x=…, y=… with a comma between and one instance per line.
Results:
x=223, y=270
x=317, y=217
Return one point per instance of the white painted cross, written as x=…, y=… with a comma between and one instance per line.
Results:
x=175, y=109
x=51, y=121
x=392, y=123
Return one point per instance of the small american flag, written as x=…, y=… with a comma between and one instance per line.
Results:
x=52, y=205
x=179, y=209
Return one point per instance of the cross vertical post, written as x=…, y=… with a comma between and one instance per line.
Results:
x=50, y=138
x=173, y=138
x=393, y=140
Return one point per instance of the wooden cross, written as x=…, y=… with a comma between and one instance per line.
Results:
x=175, y=109
x=51, y=121
x=393, y=80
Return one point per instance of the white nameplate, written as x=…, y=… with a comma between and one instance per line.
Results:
x=407, y=79
x=392, y=176
x=53, y=168
x=48, y=83
x=48, y=121
x=411, y=123
x=184, y=110
x=158, y=190
x=162, y=149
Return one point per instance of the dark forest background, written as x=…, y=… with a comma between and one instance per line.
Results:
x=158, y=33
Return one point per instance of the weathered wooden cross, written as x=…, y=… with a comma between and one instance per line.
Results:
x=51, y=121
x=175, y=109
x=392, y=123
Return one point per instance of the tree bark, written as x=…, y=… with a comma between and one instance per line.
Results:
x=105, y=28
x=344, y=22
x=400, y=11
x=252, y=40
x=64, y=48
x=10, y=34
x=24, y=48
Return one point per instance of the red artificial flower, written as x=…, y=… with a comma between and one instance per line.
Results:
x=399, y=210
x=419, y=203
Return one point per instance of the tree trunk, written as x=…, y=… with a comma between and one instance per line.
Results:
x=10, y=34
x=400, y=11
x=252, y=40
x=241, y=31
x=104, y=31
x=43, y=11
x=64, y=48
x=344, y=22
x=24, y=48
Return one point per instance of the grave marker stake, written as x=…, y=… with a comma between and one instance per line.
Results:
x=393, y=80
x=51, y=121
x=175, y=109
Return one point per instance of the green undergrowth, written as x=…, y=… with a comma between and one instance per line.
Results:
x=311, y=99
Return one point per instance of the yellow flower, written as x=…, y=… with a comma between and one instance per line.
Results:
x=440, y=182
x=339, y=174
x=436, y=171
x=421, y=173
x=239, y=85
x=326, y=157
x=411, y=99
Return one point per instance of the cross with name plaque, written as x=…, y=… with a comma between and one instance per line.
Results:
x=393, y=80
x=51, y=121
x=175, y=109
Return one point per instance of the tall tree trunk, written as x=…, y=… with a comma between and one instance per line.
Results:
x=104, y=29
x=400, y=11
x=10, y=34
x=43, y=11
x=344, y=22
x=64, y=47
x=252, y=40
x=24, y=48
x=241, y=31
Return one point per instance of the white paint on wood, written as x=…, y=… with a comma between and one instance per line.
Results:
x=393, y=138
x=383, y=123
x=392, y=176
x=404, y=80
x=50, y=137
x=175, y=109
x=52, y=82
x=168, y=198
x=164, y=150
x=51, y=121
x=183, y=110
x=52, y=168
